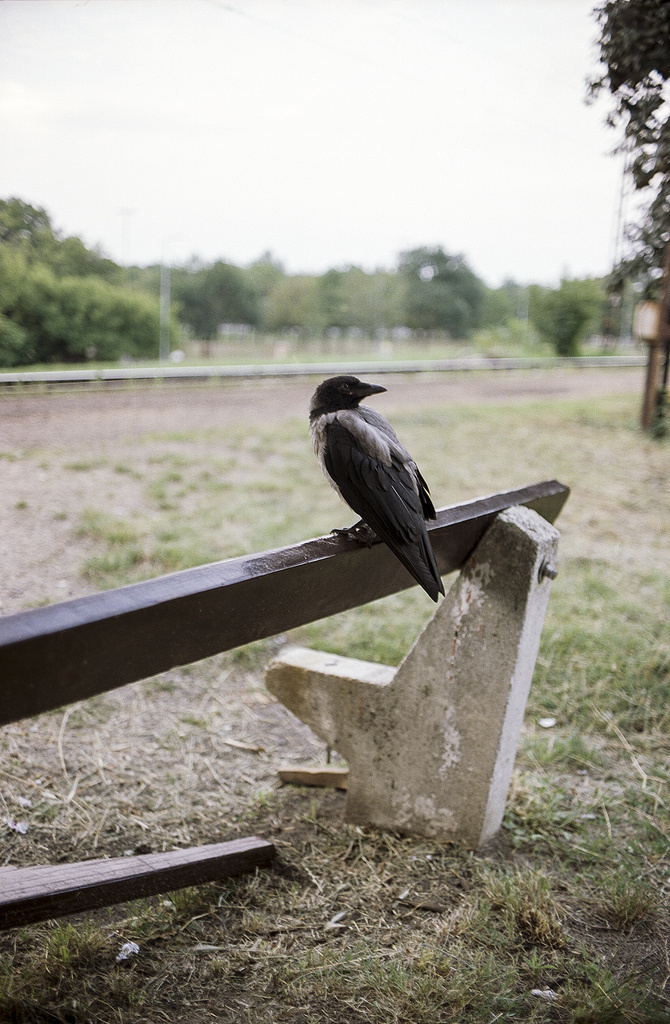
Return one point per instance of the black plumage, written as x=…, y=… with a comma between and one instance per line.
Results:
x=374, y=474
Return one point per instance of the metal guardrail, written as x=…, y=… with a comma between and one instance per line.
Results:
x=279, y=370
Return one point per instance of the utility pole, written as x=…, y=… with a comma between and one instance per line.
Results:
x=654, y=393
x=164, y=342
x=126, y=213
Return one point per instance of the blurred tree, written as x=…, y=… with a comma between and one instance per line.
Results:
x=294, y=303
x=371, y=302
x=15, y=347
x=71, y=258
x=24, y=225
x=263, y=275
x=148, y=279
x=28, y=229
x=60, y=301
x=635, y=52
x=562, y=316
x=213, y=296
x=13, y=267
x=45, y=318
x=441, y=292
x=72, y=319
x=509, y=302
x=332, y=300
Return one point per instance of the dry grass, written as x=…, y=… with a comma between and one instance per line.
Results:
x=354, y=925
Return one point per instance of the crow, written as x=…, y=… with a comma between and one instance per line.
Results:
x=364, y=461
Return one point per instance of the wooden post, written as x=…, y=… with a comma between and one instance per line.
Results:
x=657, y=346
x=651, y=384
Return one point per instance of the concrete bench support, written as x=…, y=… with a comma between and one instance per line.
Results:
x=431, y=745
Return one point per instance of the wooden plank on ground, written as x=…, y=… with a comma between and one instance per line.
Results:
x=39, y=893
x=70, y=651
x=325, y=778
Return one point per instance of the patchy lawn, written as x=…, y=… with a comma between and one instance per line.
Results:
x=565, y=918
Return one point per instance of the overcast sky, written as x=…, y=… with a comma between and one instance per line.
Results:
x=330, y=132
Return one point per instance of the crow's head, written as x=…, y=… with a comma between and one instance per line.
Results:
x=343, y=392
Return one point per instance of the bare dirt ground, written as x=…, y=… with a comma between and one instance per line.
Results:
x=39, y=502
x=75, y=420
x=180, y=759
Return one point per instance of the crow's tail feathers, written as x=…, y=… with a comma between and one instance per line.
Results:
x=419, y=560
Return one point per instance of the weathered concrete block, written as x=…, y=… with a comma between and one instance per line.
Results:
x=431, y=745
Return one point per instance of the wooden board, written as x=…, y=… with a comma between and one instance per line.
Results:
x=325, y=778
x=70, y=651
x=38, y=893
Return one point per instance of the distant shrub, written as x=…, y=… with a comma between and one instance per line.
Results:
x=563, y=316
x=67, y=319
x=14, y=343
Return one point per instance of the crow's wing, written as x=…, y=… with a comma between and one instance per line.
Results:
x=378, y=423
x=386, y=495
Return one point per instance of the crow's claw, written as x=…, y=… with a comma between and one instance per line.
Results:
x=360, y=532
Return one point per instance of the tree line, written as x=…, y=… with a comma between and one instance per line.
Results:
x=60, y=301
x=63, y=302
x=634, y=52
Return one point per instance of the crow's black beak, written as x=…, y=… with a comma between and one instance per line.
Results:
x=370, y=389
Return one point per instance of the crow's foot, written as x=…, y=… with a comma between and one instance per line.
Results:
x=360, y=532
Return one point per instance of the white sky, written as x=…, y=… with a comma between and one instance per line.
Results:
x=328, y=131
